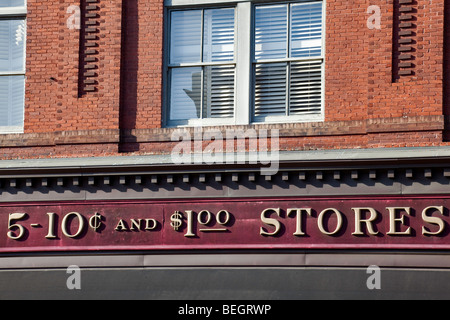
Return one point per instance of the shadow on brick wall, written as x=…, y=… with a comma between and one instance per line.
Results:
x=128, y=78
x=446, y=86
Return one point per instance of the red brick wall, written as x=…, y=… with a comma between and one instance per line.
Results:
x=365, y=105
x=53, y=52
x=359, y=63
x=142, y=64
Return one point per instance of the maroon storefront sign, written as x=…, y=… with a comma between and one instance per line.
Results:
x=370, y=222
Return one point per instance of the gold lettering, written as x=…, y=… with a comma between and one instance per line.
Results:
x=225, y=220
x=393, y=219
x=51, y=226
x=338, y=224
x=21, y=229
x=270, y=221
x=189, y=232
x=121, y=226
x=135, y=224
x=368, y=222
x=433, y=220
x=64, y=224
x=200, y=216
x=298, y=214
x=147, y=224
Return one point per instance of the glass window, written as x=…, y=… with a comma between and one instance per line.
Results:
x=201, y=64
x=266, y=66
x=12, y=45
x=288, y=60
x=12, y=69
x=12, y=3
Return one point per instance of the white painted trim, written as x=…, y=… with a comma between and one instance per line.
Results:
x=243, y=67
x=14, y=11
x=200, y=122
x=186, y=3
x=11, y=129
x=289, y=119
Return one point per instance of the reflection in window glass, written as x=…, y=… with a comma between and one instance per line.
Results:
x=185, y=93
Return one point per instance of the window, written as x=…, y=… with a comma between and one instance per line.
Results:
x=287, y=63
x=249, y=63
x=12, y=65
x=202, y=67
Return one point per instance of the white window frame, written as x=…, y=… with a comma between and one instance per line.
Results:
x=18, y=13
x=244, y=61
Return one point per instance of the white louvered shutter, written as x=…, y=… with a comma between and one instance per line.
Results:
x=305, y=88
x=219, y=91
x=270, y=89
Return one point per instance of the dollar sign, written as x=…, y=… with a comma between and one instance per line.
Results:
x=95, y=221
x=176, y=220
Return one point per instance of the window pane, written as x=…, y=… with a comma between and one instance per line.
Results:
x=12, y=45
x=12, y=3
x=218, y=35
x=218, y=92
x=305, y=87
x=185, y=93
x=271, y=32
x=306, y=29
x=185, y=36
x=270, y=89
x=11, y=100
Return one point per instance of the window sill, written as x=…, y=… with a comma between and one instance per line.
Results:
x=11, y=129
x=173, y=124
x=13, y=12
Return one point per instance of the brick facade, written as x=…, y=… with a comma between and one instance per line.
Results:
x=368, y=103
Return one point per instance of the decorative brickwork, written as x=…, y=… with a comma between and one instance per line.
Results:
x=89, y=71
x=404, y=45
